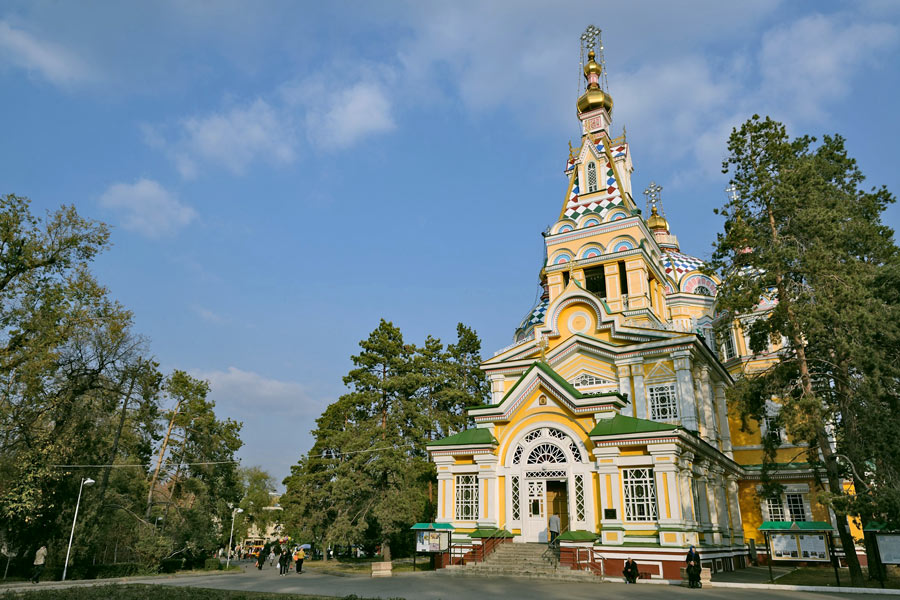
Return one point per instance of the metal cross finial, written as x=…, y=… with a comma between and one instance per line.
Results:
x=653, y=194
x=589, y=38
x=732, y=192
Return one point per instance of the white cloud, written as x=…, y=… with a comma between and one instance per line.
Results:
x=147, y=208
x=208, y=315
x=236, y=137
x=247, y=393
x=51, y=61
x=810, y=63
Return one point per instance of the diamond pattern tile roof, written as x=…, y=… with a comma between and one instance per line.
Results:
x=677, y=264
x=535, y=316
x=600, y=204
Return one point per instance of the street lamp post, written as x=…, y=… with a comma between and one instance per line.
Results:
x=85, y=481
x=235, y=512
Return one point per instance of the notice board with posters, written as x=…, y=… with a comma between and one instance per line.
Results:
x=432, y=541
x=807, y=547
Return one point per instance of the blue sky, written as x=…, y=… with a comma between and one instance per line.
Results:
x=281, y=175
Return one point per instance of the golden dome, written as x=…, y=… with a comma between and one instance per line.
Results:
x=656, y=221
x=593, y=97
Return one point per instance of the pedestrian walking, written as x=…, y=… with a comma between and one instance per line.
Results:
x=260, y=560
x=553, y=526
x=272, y=557
x=284, y=562
x=40, y=557
x=693, y=568
x=298, y=559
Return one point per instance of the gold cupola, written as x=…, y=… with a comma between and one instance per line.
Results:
x=594, y=97
x=657, y=222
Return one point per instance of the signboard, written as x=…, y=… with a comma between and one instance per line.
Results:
x=432, y=541
x=889, y=547
x=791, y=546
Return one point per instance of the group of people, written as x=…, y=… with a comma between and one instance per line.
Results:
x=284, y=558
x=631, y=574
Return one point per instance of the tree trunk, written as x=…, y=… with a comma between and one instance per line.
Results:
x=162, y=452
x=115, y=447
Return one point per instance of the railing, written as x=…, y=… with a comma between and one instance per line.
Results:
x=552, y=552
x=485, y=542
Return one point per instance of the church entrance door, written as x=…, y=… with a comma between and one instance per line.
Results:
x=536, y=512
x=558, y=502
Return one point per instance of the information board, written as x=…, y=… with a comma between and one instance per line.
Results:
x=889, y=547
x=784, y=546
x=432, y=541
x=814, y=547
x=792, y=546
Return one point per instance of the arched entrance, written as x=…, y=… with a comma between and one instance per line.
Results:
x=548, y=473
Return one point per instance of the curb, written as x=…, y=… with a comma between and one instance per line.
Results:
x=806, y=588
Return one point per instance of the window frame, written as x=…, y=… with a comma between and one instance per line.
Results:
x=639, y=508
x=654, y=396
x=466, y=508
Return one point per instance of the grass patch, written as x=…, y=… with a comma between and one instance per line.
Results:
x=154, y=592
x=824, y=576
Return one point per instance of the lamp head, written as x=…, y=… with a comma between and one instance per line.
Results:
x=89, y=481
x=238, y=511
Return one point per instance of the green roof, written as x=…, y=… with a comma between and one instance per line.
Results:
x=791, y=466
x=620, y=424
x=432, y=526
x=795, y=526
x=467, y=437
x=579, y=535
x=487, y=533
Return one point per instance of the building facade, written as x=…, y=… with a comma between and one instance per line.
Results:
x=609, y=408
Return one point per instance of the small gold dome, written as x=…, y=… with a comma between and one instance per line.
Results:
x=656, y=221
x=593, y=97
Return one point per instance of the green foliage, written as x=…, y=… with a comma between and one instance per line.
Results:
x=77, y=387
x=213, y=564
x=367, y=477
x=804, y=234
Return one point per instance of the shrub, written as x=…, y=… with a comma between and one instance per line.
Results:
x=170, y=565
x=213, y=564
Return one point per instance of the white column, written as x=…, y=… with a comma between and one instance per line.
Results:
x=737, y=523
x=445, y=488
x=625, y=388
x=488, y=493
x=698, y=402
x=685, y=389
x=640, y=399
x=722, y=409
x=665, y=471
x=706, y=406
x=689, y=512
x=496, y=387
x=608, y=475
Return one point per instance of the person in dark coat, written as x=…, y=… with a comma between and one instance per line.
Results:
x=284, y=561
x=260, y=559
x=631, y=571
x=693, y=568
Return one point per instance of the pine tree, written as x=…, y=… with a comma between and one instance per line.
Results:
x=801, y=232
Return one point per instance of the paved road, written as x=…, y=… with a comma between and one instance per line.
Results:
x=432, y=586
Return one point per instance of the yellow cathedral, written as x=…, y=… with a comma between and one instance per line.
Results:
x=608, y=410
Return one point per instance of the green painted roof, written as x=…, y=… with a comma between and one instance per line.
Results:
x=487, y=533
x=432, y=526
x=469, y=436
x=795, y=526
x=796, y=466
x=620, y=424
x=578, y=535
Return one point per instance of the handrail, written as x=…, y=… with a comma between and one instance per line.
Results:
x=552, y=551
x=484, y=541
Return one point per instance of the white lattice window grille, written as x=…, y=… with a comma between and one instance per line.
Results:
x=795, y=506
x=579, y=497
x=542, y=474
x=557, y=434
x=466, y=497
x=535, y=498
x=517, y=456
x=640, y=494
x=515, y=498
x=546, y=453
x=587, y=380
x=533, y=436
x=573, y=447
x=775, y=509
x=663, y=403
x=591, y=177
x=770, y=427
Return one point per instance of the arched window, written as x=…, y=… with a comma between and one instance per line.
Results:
x=546, y=453
x=591, y=177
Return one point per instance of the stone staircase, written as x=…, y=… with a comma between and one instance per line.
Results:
x=520, y=560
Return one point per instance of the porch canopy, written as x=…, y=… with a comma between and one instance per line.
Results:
x=794, y=526
x=432, y=526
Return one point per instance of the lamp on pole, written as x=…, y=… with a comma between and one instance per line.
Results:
x=234, y=513
x=85, y=481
